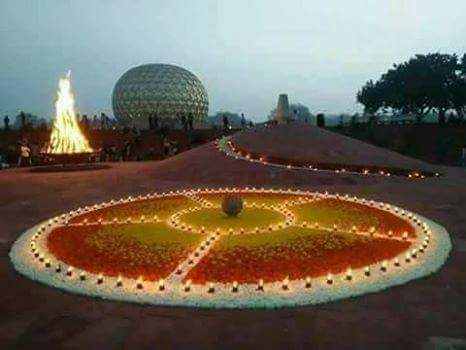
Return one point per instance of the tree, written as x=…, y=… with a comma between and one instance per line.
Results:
x=408, y=87
x=371, y=97
x=442, y=70
x=354, y=120
x=417, y=86
x=457, y=90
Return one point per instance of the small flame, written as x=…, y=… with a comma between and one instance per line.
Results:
x=66, y=136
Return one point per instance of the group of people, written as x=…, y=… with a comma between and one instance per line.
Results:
x=131, y=144
x=26, y=121
x=186, y=121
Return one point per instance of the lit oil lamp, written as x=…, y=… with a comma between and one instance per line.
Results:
x=187, y=286
x=161, y=284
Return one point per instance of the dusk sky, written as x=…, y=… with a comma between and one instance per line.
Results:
x=245, y=52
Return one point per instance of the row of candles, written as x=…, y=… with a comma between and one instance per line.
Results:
x=226, y=146
x=235, y=286
x=187, y=285
x=299, y=201
x=410, y=255
x=222, y=190
x=204, y=202
x=289, y=214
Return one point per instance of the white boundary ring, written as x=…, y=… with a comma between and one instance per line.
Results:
x=432, y=239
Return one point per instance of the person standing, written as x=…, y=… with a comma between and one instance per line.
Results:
x=191, y=121
x=166, y=147
x=243, y=121
x=155, y=122
x=24, y=156
x=22, y=117
x=225, y=122
x=6, y=122
x=102, y=121
x=151, y=122
x=184, y=122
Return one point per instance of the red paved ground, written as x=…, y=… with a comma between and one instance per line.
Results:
x=304, y=142
x=408, y=316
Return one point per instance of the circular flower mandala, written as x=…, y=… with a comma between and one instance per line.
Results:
x=285, y=248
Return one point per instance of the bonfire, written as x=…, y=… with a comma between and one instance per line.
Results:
x=67, y=142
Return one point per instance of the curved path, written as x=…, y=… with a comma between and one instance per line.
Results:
x=408, y=316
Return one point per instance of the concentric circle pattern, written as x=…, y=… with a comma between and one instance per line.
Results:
x=285, y=248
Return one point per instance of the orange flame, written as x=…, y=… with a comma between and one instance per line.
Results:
x=66, y=136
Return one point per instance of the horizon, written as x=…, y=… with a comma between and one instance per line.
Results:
x=320, y=64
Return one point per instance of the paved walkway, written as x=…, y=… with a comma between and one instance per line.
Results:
x=408, y=316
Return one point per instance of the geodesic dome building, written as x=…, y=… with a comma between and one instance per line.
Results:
x=164, y=90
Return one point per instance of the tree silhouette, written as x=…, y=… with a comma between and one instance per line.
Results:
x=457, y=90
x=418, y=86
x=371, y=96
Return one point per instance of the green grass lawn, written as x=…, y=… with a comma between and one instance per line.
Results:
x=160, y=207
x=157, y=235
x=248, y=219
x=343, y=214
x=286, y=237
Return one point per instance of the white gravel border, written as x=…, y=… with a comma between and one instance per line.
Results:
x=434, y=236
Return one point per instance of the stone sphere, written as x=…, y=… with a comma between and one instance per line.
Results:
x=164, y=90
x=232, y=205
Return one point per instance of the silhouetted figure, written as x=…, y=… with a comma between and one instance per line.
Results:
x=155, y=122
x=243, y=121
x=127, y=151
x=251, y=124
x=22, y=117
x=184, y=122
x=190, y=121
x=151, y=122
x=6, y=122
x=94, y=122
x=103, y=123
x=321, y=120
x=166, y=147
x=85, y=122
x=225, y=122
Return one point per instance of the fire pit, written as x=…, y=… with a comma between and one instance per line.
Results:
x=71, y=158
